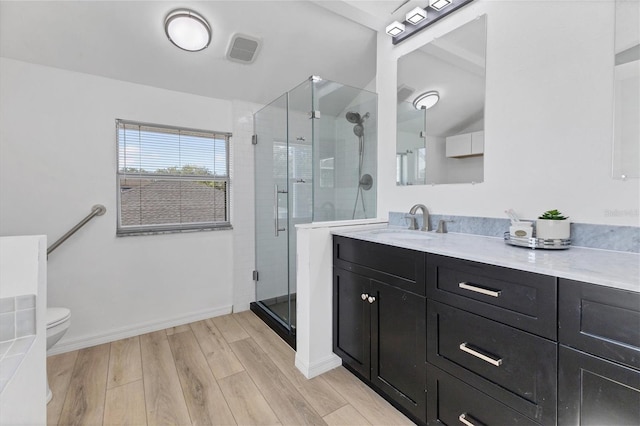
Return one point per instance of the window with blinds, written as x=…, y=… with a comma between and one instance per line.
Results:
x=171, y=179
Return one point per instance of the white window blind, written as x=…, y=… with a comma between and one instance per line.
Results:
x=171, y=179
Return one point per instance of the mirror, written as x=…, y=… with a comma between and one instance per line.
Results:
x=444, y=143
x=626, y=126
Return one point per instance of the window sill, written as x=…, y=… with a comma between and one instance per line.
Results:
x=135, y=233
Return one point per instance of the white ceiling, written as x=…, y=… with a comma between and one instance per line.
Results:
x=125, y=40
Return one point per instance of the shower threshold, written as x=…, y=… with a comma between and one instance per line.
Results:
x=274, y=313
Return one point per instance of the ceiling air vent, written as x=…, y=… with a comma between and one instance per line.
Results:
x=243, y=48
x=404, y=92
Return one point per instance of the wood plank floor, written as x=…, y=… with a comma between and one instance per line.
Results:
x=222, y=371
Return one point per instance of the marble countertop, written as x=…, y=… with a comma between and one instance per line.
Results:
x=620, y=270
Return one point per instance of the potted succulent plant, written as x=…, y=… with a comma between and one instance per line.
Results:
x=552, y=225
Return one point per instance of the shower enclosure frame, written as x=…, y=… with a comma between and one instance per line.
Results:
x=315, y=159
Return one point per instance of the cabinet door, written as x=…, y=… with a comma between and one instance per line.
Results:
x=351, y=319
x=398, y=346
x=592, y=391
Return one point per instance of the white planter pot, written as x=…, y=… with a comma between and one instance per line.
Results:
x=553, y=229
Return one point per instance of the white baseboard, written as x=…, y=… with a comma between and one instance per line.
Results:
x=241, y=307
x=134, y=330
x=319, y=367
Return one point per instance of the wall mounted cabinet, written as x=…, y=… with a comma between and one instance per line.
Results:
x=465, y=144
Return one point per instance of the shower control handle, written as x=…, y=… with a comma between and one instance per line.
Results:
x=371, y=299
x=364, y=296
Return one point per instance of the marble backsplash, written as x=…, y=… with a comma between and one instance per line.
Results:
x=605, y=237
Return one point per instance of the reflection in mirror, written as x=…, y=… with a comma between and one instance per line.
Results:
x=444, y=143
x=626, y=131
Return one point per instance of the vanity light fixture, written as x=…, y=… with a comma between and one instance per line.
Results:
x=187, y=30
x=426, y=100
x=416, y=15
x=395, y=28
x=439, y=4
x=418, y=19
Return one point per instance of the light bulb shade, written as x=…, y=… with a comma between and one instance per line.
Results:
x=439, y=4
x=426, y=100
x=416, y=15
x=187, y=30
x=395, y=28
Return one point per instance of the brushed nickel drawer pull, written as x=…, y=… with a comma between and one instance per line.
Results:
x=467, y=286
x=465, y=348
x=468, y=420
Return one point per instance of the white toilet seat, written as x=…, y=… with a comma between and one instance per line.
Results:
x=57, y=316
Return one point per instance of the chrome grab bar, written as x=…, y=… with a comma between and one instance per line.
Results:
x=97, y=210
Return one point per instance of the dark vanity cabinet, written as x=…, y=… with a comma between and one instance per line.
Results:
x=490, y=345
x=599, y=376
x=378, y=319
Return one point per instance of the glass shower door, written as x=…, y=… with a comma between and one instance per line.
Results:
x=272, y=210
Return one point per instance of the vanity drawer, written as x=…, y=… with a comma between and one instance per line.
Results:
x=449, y=399
x=600, y=320
x=511, y=365
x=522, y=299
x=396, y=266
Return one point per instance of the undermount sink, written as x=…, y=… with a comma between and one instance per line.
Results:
x=401, y=234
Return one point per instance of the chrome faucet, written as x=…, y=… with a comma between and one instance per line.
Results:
x=425, y=216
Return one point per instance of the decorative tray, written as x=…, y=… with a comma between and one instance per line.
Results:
x=537, y=243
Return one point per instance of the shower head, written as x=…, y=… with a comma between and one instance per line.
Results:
x=353, y=117
x=356, y=118
x=358, y=129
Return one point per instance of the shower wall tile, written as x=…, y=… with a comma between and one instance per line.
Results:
x=25, y=302
x=18, y=317
x=7, y=304
x=7, y=326
x=17, y=333
x=25, y=322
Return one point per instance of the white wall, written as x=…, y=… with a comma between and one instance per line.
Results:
x=58, y=158
x=548, y=117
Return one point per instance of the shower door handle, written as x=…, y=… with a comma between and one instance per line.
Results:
x=275, y=210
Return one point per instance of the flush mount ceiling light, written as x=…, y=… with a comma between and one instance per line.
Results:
x=416, y=15
x=426, y=100
x=418, y=19
x=187, y=30
x=395, y=28
x=439, y=4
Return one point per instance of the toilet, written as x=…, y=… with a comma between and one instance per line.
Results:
x=58, y=320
